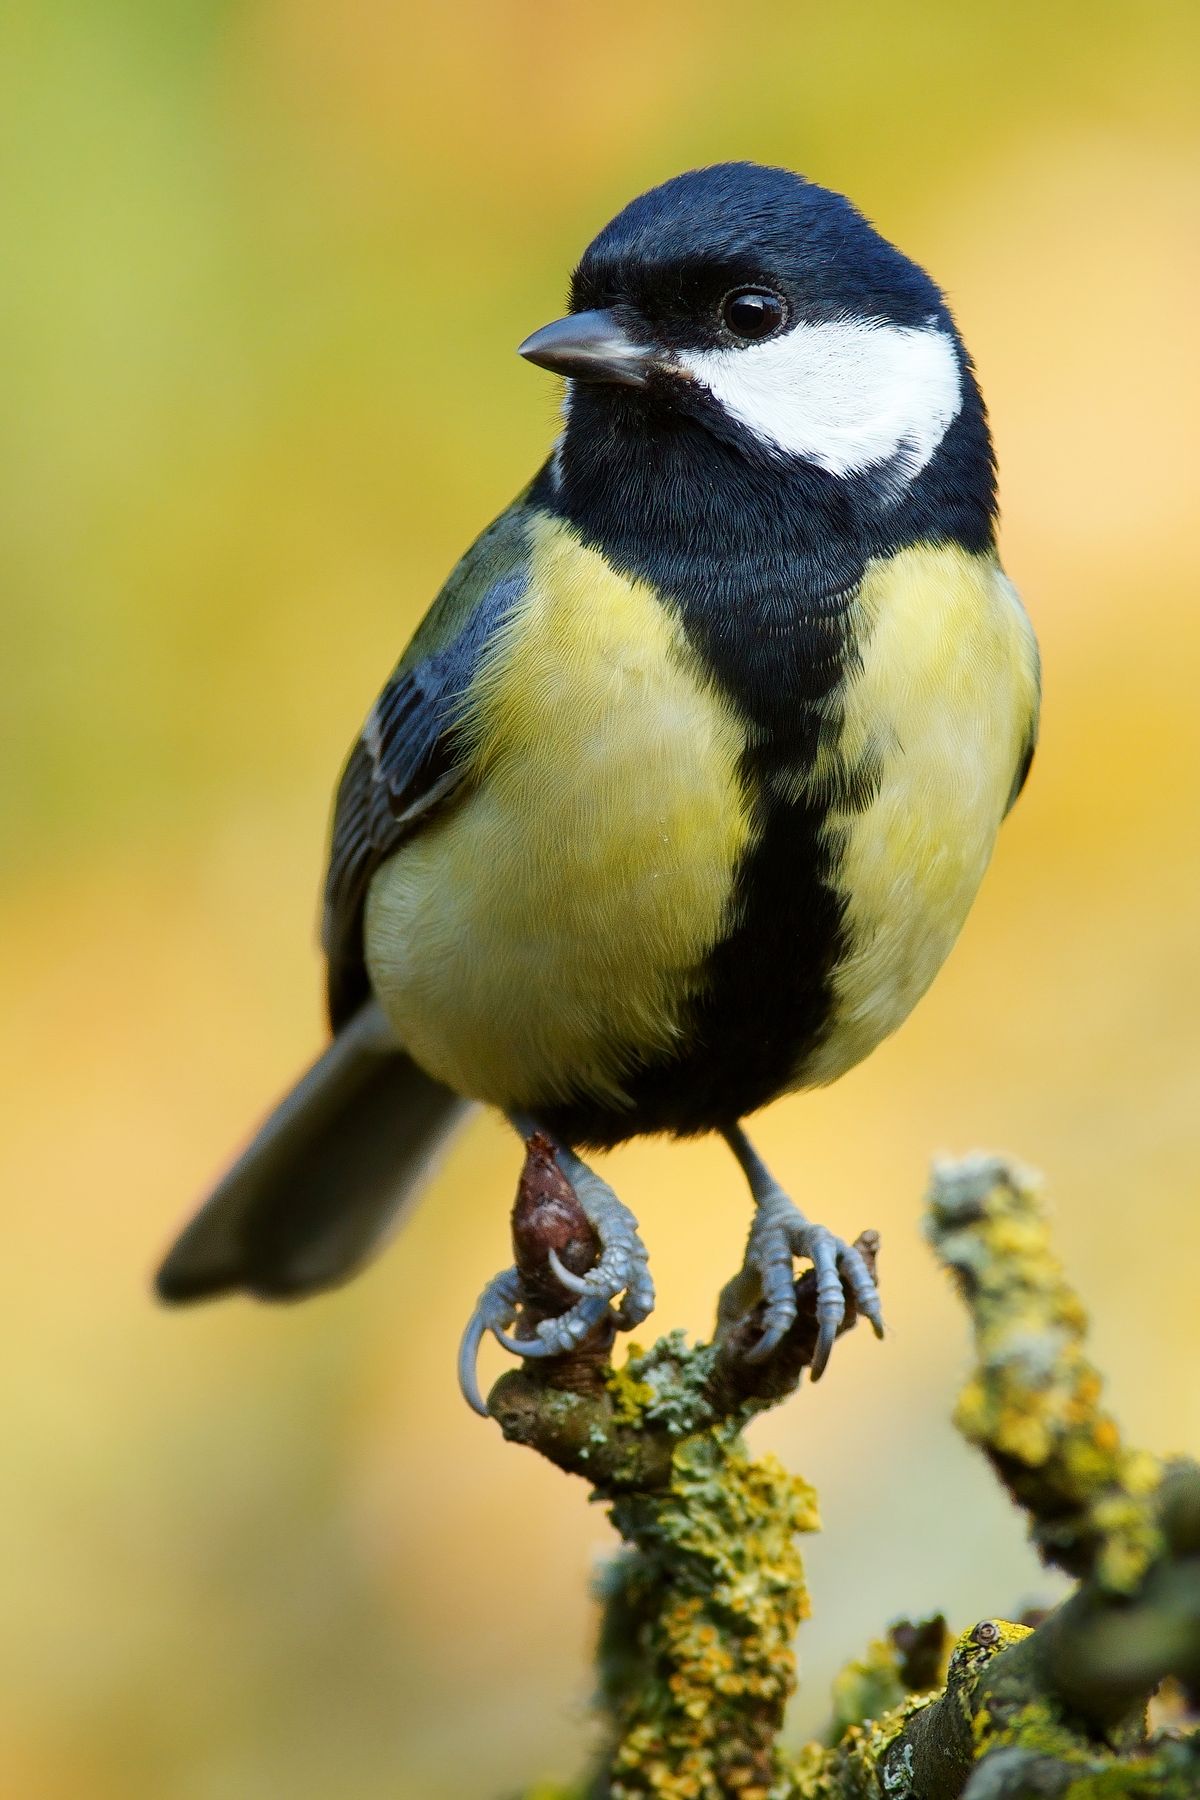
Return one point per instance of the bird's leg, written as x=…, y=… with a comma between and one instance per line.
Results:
x=621, y=1271
x=780, y=1232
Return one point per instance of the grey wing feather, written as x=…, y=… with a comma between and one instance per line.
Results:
x=315, y=1192
x=409, y=759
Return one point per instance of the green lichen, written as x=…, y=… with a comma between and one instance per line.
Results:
x=1168, y=1771
x=1033, y=1404
x=677, y=1377
x=975, y=1649
x=711, y=1595
x=700, y=1607
x=872, y=1760
x=911, y=1659
x=1038, y=1727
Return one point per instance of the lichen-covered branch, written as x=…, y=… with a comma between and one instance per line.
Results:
x=700, y=1611
x=1115, y=1517
x=700, y=1608
x=713, y=1588
x=1033, y=1403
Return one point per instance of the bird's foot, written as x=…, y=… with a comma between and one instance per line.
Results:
x=779, y=1234
x=497, y=1308
x=529, y=1297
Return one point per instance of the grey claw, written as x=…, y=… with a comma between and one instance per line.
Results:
x=574, y=1284
x=825, y=1253
x=621, y=1268
x=770, y=1341
x=862, y=1286
x=638, y=1303
x=770, y=1254
x=826, y=1337
x=468, y=1359
x=495, y=1309
x=779, y=1234
x=522, y=1347
x=620, y=1271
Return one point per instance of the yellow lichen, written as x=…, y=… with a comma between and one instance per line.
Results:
x=1033, y=1403
x=701, y=1607
x=630, y=1395
x=717, y=1591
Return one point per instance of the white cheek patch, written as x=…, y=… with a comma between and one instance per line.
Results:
x=846, y=395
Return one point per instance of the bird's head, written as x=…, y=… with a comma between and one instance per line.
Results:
x=767, y=311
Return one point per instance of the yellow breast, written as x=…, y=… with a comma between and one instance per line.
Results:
x=543, y=932
x=941, y=707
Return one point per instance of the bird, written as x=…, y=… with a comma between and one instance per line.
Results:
x=681, y=793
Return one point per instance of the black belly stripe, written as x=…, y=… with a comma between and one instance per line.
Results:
x=763, y=995
x=763, y=562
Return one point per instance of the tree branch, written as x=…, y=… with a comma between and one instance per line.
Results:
x=700, y=1608
x=1068, y=1700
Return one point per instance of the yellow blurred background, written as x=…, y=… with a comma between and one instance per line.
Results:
x=266, y=262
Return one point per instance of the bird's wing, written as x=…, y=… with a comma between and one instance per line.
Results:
x=409, y=759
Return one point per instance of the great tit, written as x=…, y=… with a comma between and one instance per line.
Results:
x=680, y=795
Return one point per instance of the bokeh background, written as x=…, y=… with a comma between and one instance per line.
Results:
x=265, y=265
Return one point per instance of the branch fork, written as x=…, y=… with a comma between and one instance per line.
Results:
x=701, y=1606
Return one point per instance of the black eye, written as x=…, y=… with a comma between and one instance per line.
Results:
x=753, y=312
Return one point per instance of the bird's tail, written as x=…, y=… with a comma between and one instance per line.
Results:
x=320, y=1186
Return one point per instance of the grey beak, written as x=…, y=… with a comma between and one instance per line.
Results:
x=589, y=346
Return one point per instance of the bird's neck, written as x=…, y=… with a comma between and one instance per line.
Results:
x=763, y=559
x=716, y=524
